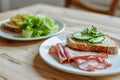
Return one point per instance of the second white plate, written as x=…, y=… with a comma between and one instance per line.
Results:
x=16, y=36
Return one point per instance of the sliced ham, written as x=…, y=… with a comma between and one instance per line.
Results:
x=58, y=52
x=92, y=62
x=74, y=54
x=87, y=61
x=53, y=50
x=62, y=57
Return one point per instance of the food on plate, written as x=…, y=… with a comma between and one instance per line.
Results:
x=31, y=25
x=11, y=28
x=14, y=24
x=58, y=52
x=88, y=50
x=87, y=61
x=91, y=39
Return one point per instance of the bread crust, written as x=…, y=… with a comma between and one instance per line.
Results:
x=92, y=47
x=11, y=28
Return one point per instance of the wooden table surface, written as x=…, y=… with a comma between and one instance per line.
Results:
x=20, y=60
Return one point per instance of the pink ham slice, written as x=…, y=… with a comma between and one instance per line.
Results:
x=92, y=62
x=58, y=51
x=53, y=50
x=75, y=54
x=62, y=57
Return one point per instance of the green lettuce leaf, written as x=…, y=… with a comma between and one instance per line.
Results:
x=37, y=25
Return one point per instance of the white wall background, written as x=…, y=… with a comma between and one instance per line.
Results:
x=14, y=4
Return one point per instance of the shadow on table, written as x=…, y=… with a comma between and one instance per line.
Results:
x=48, y=72
x=6, y=42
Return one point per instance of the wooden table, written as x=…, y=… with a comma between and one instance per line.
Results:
x=20, y=60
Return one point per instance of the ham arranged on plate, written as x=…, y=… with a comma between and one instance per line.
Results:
x=87, y=61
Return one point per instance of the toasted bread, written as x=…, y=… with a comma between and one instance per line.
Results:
x=11, y=28
x=108, y=45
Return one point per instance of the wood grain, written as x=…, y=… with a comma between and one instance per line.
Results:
x=20, y=60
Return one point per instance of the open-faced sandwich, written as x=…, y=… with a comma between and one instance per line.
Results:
x=88, y=50
x=31, y=25
x=92, y=40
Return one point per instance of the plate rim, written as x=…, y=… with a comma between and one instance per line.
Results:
x=78, y=73
x=60, y=30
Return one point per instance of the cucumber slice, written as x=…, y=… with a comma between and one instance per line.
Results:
x=97, y=40
x=78, y=36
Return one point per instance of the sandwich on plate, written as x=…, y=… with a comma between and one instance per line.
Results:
x=92, y=40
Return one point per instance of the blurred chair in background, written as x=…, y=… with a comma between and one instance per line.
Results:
x=78, y=3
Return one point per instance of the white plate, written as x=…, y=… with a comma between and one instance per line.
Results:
x=16, y=36
x=43, y=51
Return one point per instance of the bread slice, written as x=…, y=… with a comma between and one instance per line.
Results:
x=107, y=46
x=11, y=28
